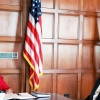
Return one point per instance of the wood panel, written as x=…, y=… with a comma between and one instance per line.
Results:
x=68, y=27
x=44, y=3
x=48, y=22
x=96, y=57
x=11, y=21
x=88, y=80
x=92, y=32
x=67, y=56
x=10, y=8
x=70, y=46
x=73, y=58
x=11, y=41
x=88, y=57
x=48, y=56
x=63, y=84
x=13, y=84
x=10, y=63
x=68, y=4
x=91, y=5
x=46, y=80
x=10, y=2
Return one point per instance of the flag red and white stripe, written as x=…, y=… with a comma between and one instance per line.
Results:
x=33, y=44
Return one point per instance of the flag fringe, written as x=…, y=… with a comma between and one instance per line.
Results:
x=28, y=61
x=40, y=74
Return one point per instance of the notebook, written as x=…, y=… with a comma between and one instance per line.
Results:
x=40, y=94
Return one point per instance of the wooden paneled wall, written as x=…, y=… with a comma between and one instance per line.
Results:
x=12, y=31
x=71, y=46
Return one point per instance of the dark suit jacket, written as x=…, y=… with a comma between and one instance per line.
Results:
x=90, y=97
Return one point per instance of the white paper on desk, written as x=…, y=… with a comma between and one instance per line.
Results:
x=20, y=96
x=43, y=98
x=2, y=95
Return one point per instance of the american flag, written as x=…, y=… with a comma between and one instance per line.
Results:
x=33, y=44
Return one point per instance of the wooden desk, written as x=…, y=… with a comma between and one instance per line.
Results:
x=55, y=96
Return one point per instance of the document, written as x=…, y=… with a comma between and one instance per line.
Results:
x=18, y=96
x=40, y=94
x=46, y=98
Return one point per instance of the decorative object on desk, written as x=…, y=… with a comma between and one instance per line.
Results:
x=2, y=95
x=18, y=96
x=40, y=94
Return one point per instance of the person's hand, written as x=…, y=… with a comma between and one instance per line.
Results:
x=9, y=90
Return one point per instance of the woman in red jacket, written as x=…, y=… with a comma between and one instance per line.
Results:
x=4, y=86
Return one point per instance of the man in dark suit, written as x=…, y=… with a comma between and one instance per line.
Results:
x=95, y=94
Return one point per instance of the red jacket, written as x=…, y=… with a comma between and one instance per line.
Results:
x=3, y=85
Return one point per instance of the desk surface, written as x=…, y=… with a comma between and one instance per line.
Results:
x=55, y=96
